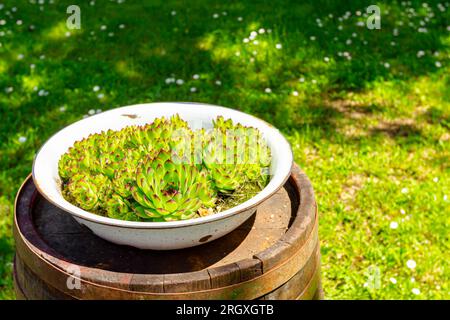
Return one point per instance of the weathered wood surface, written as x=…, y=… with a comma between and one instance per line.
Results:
x=274, y=255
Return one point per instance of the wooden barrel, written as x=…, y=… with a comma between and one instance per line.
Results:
x=274, y=255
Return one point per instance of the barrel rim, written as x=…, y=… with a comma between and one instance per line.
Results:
x=252, y=288
x=311, y=289
x=304, y=224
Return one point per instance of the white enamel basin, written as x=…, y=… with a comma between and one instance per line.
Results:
x=159, y=235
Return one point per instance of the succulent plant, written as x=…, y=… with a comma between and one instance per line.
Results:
x=119, y=207
x=234, y=155
x=166, y=190
x=164, y=170
x=89, y=192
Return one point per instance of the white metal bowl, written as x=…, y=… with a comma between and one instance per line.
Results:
x=159, y=235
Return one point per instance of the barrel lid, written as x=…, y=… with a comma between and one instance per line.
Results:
x=282, y=234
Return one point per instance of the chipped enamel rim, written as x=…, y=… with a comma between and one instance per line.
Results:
x=45, y=165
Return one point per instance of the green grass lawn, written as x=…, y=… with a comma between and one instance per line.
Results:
x=367, y=111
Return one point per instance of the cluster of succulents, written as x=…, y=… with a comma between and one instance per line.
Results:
x=164, y=170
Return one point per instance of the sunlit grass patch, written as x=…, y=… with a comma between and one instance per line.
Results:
x=366, y=111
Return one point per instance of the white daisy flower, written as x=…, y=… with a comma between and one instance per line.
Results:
x=100, y=96
x=215, y=15
x=268, y=90
x=411, y=264
x=173, y=12
x=180, y=82
x=393, y=280
x=22, y=139
x=405, y=190
x=193, y=89
x=438, y=64
x=295, y=93
x=91, y=112
x=195, y=77
x=279, y=46
x=393, y=225
x=218, y=82
x=415, y=291
x=261, y=31
x=96, y=88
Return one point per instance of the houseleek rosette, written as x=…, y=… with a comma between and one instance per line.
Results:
x=89, y=192
x=166, y=190
x=234, y=155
